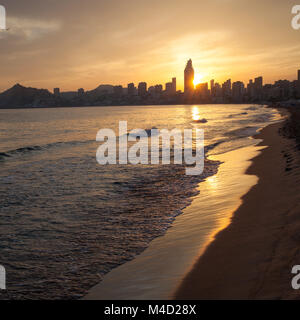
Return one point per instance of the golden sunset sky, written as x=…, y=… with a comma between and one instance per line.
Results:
x=72, y=44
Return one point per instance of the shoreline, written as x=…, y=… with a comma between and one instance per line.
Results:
x=129, y=105
x=253, y=256
x=156, y=272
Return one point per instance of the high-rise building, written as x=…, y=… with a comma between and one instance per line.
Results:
x=258, y=82
x=151, y=90
x=226, y=87
x=217, y=90
x=202, y=89
x=142, y=88
x=169, y=88
x=158, y=89
x=174, y=89
x=250, y=89
x=189, y=75
x=56, y=91
x=238, y=89
x=258, y=86
x=131, y=89
x=212, y=88
x=299, y=75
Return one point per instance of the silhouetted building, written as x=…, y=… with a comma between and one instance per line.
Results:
x=250, y=89
x=258, y=82
x=202, y=90
x=285, y=90
x=151, y=90
x=169, y=88
x=299, y=75
x=255, y=89
x=142, y=88
x=189, y=75
x=238, y=89
x=56, y=91
x=158, y=89
x=226, y=88
x=80, y=92
x=174, y=89
x=258, y=86
x=118, y=91
x=131, y=89
x=218, y=90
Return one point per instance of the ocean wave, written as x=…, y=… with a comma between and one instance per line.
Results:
x=213, y=145
x=237, y=114
x=139, y=132
x=123, y=213
x=265, y=117
x=243, y=132
x=252, y=108
x=29, y=149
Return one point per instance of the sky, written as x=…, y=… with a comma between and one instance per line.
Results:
x=74, y=43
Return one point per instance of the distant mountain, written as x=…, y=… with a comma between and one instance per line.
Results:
x=19, y=96
x=103, y=89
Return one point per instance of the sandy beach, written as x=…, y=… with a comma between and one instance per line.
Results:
x=253, y=257
x=157, y=272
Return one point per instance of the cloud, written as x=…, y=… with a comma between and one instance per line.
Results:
x=31, y=29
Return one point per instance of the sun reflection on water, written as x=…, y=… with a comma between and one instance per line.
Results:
x=195, y=114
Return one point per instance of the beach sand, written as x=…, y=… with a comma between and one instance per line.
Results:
x=156, y=273
x=253, y=256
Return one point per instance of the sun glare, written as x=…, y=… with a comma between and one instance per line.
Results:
x=198, y=79
x=195, y=114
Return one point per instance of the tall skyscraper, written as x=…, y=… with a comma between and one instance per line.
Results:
x=299, y=75
x=258, y=86
x=174, y=89
x=189, y=75
x=238, y=89
x=212, y=87
x=142, y=88
x=258, y=82
x=226, y=87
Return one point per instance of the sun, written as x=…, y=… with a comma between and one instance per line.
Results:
x=198, y=79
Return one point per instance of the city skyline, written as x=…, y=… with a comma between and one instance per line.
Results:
x=195, y=92
x=193, y=86
x=191, y=82
x=181, y=80
x=116, y=42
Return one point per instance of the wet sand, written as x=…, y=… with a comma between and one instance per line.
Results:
x=155, y=273
x=253, y=256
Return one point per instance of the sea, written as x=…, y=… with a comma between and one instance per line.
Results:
x=65, y=220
